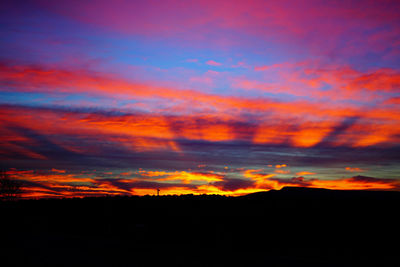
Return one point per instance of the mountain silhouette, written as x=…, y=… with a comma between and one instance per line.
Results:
x=288, y=227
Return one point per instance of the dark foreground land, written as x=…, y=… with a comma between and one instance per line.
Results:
x=290, y=227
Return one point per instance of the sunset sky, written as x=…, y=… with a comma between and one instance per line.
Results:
x=217, y=97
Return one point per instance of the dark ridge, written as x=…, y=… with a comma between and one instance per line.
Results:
x=289, y=190
x=287, y=227
x=301, y=192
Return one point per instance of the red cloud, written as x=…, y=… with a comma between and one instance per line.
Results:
x=58, y=171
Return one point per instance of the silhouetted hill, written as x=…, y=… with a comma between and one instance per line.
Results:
x=288, y=227
x=307, y=192
x=290, y=192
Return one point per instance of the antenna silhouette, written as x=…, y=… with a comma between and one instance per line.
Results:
x=158, y=191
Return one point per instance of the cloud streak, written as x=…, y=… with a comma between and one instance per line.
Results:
x=46, y=184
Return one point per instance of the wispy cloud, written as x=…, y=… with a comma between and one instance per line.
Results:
x=213, y=63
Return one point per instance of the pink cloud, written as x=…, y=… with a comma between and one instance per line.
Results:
x=213, y=63
x=261, y=68
x=319, y=80
x=202, y=80
x=315, y=26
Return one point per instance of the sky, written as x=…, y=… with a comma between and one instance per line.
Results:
x=199, y=97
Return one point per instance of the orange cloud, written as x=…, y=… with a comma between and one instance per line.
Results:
x=55, y=178
x=261, y=179
x=307, y=134
x=311, y=134
x=189, y=177
x=369, y=134
x=139, y=132
x=358, y=183
x=212, y=189
x=280, y=166
x=182, y=176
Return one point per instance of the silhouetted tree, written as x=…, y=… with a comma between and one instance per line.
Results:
x=9, y=189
